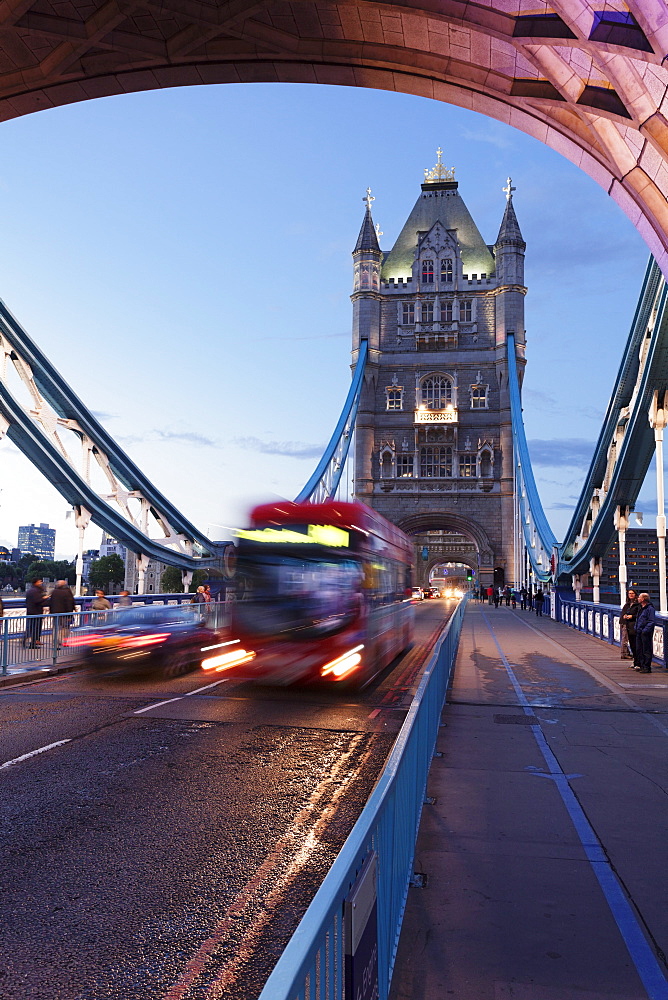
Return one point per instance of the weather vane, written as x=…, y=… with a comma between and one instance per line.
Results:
x=379, y=231
x=508, y=189
x=368, y=198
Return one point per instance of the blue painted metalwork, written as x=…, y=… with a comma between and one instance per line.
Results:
x=311, y=967
x=538, y=535
x=324, y=482
x=626, y=443
x=35, y=444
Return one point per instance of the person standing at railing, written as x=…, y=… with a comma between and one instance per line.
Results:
x=36, y=599
x=124, y=601
x=627, y=627
x=645, y=634
x=523, y=599
x=62, y=604
x=538, y=602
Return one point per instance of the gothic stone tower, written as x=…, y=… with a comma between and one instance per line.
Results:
x=433, y=434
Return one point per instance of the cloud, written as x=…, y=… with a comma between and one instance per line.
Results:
x=542, y=399
x=100, y=415
x=489, y=135
x=561, y=451
x=291, y=449
x=186, y=437
x=561, y=506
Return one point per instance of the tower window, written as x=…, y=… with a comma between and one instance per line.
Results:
x=467, y=466
x=435, y=462
x=436, y=393
x=446, y=270
x=479, y=397
x=405, y=467
x=428, y=271
x=466, y=310
x=427, y=313
x=395, y=397
x=407, y=312
x=446, y=311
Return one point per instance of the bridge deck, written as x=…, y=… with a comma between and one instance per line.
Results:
x=553, y=749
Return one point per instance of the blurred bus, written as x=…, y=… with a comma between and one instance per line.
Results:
x=323, y=594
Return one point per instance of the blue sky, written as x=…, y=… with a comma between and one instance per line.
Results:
x=183, y=257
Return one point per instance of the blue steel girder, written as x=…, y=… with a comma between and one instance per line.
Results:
x=324, y=482
x=538, y=537
x=626, y=443
x=56, y=408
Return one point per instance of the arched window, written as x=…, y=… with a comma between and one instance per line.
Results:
x=446, y=310
x=386, y=457
x=446, y=269
x=428, y=271
x=436, y=392
x=435, y=462
x=427, y=312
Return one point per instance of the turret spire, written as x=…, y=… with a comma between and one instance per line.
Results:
x=368, y=238
x=509, y=231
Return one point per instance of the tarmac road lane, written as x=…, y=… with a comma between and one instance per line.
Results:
x=161, y=850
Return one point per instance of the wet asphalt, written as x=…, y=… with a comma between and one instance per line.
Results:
x=168, y=843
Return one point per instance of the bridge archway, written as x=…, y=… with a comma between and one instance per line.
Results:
x=589, y=84
x=448, y=521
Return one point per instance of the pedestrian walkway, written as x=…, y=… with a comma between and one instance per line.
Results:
x=545, y=848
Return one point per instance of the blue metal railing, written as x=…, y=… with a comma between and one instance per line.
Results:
x=324, y=482
x=312, y=965
x=36, y=642
x=602, y=622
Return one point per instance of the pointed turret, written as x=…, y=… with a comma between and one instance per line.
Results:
x=509, y=252
x=509, y=231
x=368, y=238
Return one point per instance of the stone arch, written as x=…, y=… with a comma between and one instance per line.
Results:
x=450, y=521
x=463, y=559
x=590, y=88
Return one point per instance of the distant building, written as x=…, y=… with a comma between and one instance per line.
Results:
x=16, y=555
x=110, y=547
x=89, y=557
x=642, y=563
x=39, y=542
x=4, y=554
x=152, y=577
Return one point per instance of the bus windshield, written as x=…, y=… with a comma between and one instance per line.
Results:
x=295, y=597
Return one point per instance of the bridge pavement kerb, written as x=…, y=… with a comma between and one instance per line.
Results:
x=545, y=847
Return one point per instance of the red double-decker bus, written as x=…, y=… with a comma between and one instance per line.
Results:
x=323, y=594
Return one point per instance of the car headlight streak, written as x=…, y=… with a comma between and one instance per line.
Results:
x=233, y=658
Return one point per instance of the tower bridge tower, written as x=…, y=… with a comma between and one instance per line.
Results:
x=433, y=433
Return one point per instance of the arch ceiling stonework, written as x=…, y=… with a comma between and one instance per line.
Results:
x=585, y=78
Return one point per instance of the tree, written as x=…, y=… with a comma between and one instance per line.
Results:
x=171, y=581
x=105, y=571
x=199, y=577
x=50, y=569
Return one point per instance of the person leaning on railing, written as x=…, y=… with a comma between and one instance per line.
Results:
x=627, y=626
x=645, y=634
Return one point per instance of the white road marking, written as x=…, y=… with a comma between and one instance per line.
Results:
x=180, y=697
x=33, y=753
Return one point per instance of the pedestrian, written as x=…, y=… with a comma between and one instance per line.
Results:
x=490, y=594
x=35, y=600
x=124, y=600
x=627, y=627
x=100, y=602
x=538, y=602
x=523, y=599
x=62, y=605
x=199, y=597
x=506, y=594
x=644, y=627
x=497, y=596
x=513, y=598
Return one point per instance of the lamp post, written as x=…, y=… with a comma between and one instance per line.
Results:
x=622, y=525
x=658, y=418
